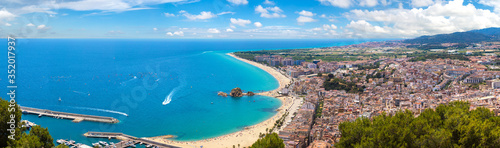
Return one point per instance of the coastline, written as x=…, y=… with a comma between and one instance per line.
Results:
x=250, y=134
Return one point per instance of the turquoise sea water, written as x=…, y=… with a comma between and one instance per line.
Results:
x=118, y=77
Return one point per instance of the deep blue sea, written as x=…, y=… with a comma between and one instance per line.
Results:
x=118, y=77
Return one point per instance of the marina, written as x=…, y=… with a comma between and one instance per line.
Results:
x=70, y=116
x=126, y=140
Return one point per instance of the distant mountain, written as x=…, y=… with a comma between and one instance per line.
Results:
x=474, y=36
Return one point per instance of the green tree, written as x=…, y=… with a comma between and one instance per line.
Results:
x=27, y=141
x=451, y=125
x=62, y=146
x=37, y=137
x=6, y=110
x=269, y=141
x=43, y=135
x=330, y=75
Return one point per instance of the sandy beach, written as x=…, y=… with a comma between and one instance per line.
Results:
x=249, y=135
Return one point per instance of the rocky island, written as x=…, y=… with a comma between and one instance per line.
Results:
x=236, y=92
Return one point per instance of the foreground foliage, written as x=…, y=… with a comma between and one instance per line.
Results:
x=269, y=141
x=37, y=137
x=451, y=125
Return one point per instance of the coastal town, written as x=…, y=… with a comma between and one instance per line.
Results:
x=333, y=92
x=318, y=95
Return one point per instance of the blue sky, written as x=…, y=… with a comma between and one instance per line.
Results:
x=244, y=18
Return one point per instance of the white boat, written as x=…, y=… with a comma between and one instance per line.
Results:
x=60, y=141
x=96, y=144
x=103, y=143
x=59, y=98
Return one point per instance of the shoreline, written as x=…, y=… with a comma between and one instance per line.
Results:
x=247, y=136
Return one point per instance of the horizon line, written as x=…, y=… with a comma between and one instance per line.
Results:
x=393, y=39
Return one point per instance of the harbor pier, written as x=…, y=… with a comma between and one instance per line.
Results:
x=127, y=140
x=64, y=115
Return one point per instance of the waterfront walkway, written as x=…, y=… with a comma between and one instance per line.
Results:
x=71, y=116
x=126, y=140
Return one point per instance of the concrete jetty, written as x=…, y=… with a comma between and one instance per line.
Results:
x=64, y=115
x=126, y=140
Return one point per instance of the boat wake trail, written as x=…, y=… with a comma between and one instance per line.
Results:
x=125, y=83
x=82, y=93
x=168, y=98
x=206, y=52
x=102, y=110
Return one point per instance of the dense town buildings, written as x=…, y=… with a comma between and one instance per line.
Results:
x=390, y=85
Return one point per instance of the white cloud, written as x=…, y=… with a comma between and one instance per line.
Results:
x=438, y=18
x=155, y=29
x=364, y=26
x=368, y=3
x=267, y=2
x=240, y=22
x=316, y=29
x=306, y=13
x=421, y=3
x=257, y=24
x=333, y=26
x=30, y=25
x=226, y=12
x=202, y=16
x=305, y=17
x=385, y=2
x=493, y=3
x=269, y=12
x=178, y=33
x=110, y=5
x=238, y=2
x=329, y=27
x=20, y=7
x=6, y=15
x=229, y=30
x=41, y=27
x=168, y=14
x=7, y=24
x=329, y=18
x=337, y=3
x=213, y=30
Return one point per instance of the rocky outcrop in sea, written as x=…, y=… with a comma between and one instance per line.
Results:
x=222, y=94
x=236, y=92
